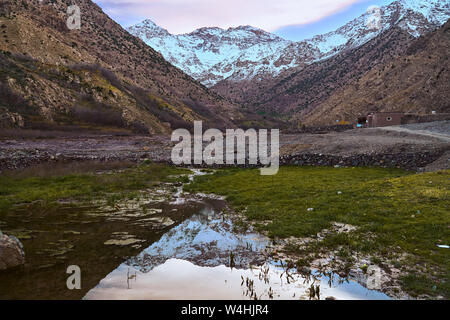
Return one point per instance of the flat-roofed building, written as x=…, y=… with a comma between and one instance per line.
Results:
x=384, y=119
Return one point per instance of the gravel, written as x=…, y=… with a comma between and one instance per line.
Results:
x=357, y=147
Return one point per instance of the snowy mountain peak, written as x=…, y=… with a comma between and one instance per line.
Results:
x=241, y=33
x=149, y=28
x=207, y=31
x=245, y=52
x=150, y=24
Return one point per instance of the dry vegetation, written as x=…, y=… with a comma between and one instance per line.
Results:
x=47, y=71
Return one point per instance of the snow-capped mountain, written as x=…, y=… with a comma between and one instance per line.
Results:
x=211, y=55
x=416, y=16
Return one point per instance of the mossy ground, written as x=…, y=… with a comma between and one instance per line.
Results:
x=95, y=183
x=400, y=217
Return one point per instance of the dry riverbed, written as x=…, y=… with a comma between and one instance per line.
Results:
x=19, y=151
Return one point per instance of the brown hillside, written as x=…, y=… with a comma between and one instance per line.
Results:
x=310, y=85
x=418, y=81
x=99, y=75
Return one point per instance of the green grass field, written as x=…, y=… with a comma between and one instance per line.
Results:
x=45, y=187
x=394, y=211
x=400, y=217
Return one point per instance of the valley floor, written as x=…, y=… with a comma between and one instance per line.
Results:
x=351, y=208
x=19, y=149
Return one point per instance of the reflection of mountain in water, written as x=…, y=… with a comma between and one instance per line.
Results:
x=206, y=239
x=192, y=261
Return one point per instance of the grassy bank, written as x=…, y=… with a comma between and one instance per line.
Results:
x=46, y=186
x=400, y=217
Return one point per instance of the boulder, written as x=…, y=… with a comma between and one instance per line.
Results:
x=11, y=252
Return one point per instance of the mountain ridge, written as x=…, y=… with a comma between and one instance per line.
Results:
x=213, y=59
x=415, y=81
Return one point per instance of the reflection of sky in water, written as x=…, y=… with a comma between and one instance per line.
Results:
x=190, y=262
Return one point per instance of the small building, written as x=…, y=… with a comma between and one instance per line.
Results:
x=384, y=119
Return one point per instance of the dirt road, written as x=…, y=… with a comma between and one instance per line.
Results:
x=439, y=130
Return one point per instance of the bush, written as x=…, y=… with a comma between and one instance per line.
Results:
x=153, y=106
x=98, y=113
x=11, y=100
x=107, y=74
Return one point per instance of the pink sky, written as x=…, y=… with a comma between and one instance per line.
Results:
x=182, y=16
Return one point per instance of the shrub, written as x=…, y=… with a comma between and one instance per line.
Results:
x=98, y=113
x=107, y=74
x=11, y=100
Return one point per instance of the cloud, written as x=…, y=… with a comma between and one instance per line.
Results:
x=181, y=16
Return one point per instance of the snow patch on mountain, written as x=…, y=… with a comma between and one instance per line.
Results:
x=211, y=55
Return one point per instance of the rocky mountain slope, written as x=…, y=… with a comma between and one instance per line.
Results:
x=385, y=74
x=307, y=87
x=97, y=76
x=242, y=54
x=331, y=90
x=213, y=54
x=415, y=81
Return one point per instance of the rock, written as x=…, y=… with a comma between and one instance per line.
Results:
x=11, y=252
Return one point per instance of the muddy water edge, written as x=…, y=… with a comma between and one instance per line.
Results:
x=156, y=236
x=97, y=238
